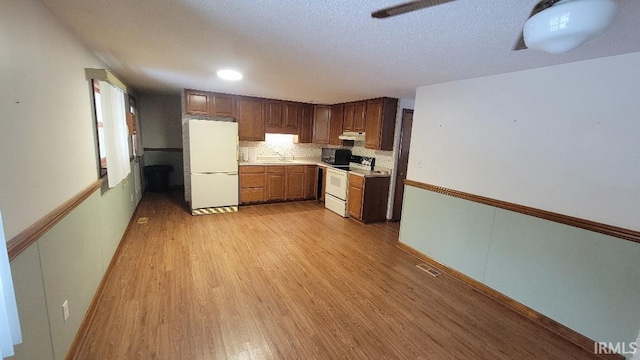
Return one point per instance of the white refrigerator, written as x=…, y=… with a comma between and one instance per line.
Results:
x=213, y=160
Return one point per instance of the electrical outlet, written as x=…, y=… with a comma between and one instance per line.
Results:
x=65, y=310
x=419, y=164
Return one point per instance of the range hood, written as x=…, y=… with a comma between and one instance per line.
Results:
x=355, y=136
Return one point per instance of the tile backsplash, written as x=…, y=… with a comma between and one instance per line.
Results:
x=285, y=146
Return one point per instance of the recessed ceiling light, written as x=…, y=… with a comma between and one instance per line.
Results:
x=228, y=74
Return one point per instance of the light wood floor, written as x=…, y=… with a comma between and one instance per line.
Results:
x=292, y=281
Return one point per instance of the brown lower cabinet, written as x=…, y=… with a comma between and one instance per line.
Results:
x=310, y=182
x=252, y=184
x=261, y=184
x=294, y=185
x=275, y=183
x=368, y=198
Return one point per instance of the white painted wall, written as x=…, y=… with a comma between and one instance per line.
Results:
x=161, y=120
x=47, y=152
x=562, y=138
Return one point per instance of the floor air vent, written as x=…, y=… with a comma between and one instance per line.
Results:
x=429, y=270
x=143, y=220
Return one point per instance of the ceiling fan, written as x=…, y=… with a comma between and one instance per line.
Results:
x=593, y=16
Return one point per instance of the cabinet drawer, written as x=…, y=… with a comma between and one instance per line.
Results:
x=275, y=169
x=248, y=180
x=254, y=195
x=295, y=168
x=355, y=180
x=251, y=169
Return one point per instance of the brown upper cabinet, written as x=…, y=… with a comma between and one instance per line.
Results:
x=327, y=124
x=335, y=127
x=273, y=121
x=349, y=114
x=321, y=124
x=291, y=118
x=250, y=117
x=209, y=104
x=305, y=125
x=359, y=116
x=224, y=105
x=283, y=117
x=198, y=102
x=380, y=123
x=355, y=116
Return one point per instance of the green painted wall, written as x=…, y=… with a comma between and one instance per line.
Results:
x=68, y=263
x=587, y=281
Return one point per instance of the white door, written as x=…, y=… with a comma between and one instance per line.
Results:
x=213, y=146
x=213, y=190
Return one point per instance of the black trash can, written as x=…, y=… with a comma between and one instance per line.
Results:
x=157, y=177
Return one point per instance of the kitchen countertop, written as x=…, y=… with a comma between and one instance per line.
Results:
x=278, y=161
x=314, y=161
x=357, y=171
x=369, y=173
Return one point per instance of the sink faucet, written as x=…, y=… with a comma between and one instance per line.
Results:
x=281, y=156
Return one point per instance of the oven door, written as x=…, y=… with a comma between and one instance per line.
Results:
x=337, y=183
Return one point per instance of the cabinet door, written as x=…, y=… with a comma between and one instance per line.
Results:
x=198, y=102
x=337, y=113
x=305, y=127
x=274, y=115
x=252, y=196
x=355, y=201
x=292, y=114
x=275, y=183
x=374, y=124
x=381, y=123
x=250, y=117
x=310, y=182
x=295, y=183
x=321, y=123
x=359, y=116
x=224, y=105
x=349, y=115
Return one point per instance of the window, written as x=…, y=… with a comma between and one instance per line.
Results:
x=112, y=133
x=102, y=154
x=111, y=124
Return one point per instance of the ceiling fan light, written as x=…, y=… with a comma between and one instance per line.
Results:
x=230, y=75
x=568, y=24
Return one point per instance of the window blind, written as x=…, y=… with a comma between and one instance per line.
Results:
x=115, y=133
x=10, y=334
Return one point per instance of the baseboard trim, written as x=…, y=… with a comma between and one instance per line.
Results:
x=28, y=236
x=87, y=321
x=552, y=325
x=615, y=231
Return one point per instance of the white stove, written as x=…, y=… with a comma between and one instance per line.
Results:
x=335, y=198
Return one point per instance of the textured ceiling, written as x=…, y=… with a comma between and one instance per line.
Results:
x=317, y=51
